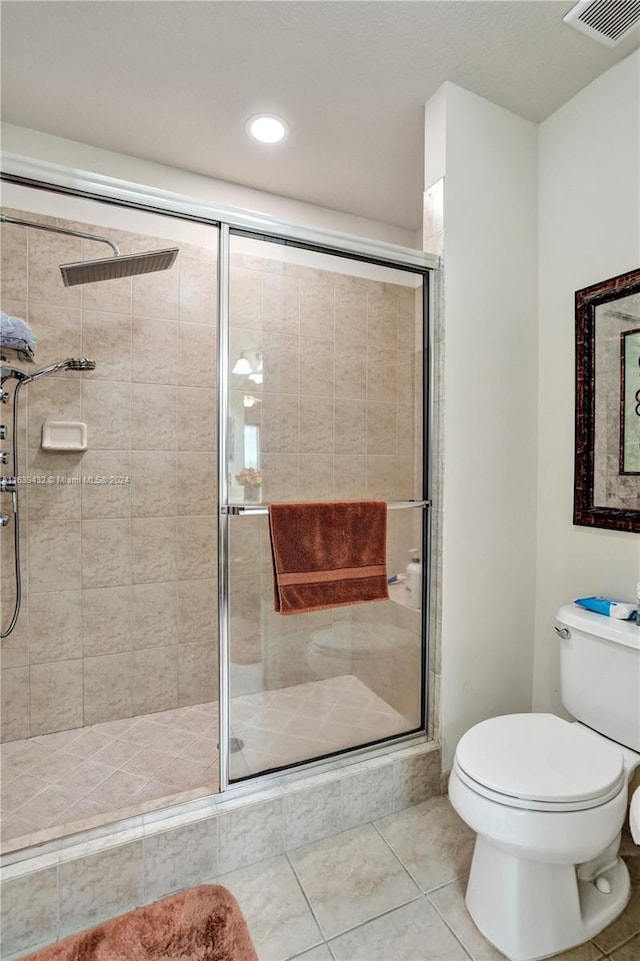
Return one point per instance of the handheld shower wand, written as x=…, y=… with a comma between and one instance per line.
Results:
x=9, y=485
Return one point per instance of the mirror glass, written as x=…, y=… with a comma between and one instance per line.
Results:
x=607, y=481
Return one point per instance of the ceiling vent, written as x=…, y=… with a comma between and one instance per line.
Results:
x=607, y=21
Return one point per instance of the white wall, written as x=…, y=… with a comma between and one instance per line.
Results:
x=70, y=153
x=589, y=229
x=488, y=158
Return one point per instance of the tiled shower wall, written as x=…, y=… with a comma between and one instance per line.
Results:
x=120, y=595
x=119, y=611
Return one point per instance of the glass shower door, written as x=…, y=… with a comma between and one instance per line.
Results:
x=325, y=403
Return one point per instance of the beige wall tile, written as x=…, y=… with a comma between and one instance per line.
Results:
x=196, y=417
x=408, y=298
x=59, y=332
x=281, y=363
x=317, y=307
x=382, y=434
x=55, y=556
x=381, y=375
x=156, y=294
x=198, y=610
x=382, y=315
x=280, y=477
x=155, y=680
x=350, y=371
x=15, y=647
x=106, y=552
x=55, y=501
x=316, y=367
x=154, y=615
x=107, y=413
x=107, y=687
x=198, y=292
x=407, y=439
x=153, y=417
x=56, y=696
x=196, y=547
x=13, y=248
x=154, y=483
x=101, y=497
x=106, y=338
x=316, y=477
x=46, y=252
x=106, y=620
x=153, y=549
x=107, y=294
x=316, y=425
x=351, y=311
x=280, y=423
x=350, y=427
x=55, y=626
x=14, y=697
x=197, y=355
x=245, y=297
x=154, y=351
x=198, y=483
x=406, y=377
x=350, y=473
x=197, y=673
x=51, y=399
x=280, y=303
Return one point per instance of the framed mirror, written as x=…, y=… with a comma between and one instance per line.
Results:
x=607, y=453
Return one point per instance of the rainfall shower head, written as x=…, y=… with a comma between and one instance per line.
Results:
x=120, y=265
x=107, y=268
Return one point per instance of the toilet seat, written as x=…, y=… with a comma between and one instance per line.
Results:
x=539, y=762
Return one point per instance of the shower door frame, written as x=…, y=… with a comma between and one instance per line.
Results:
x=54, y=178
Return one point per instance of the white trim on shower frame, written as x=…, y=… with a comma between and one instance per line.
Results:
x=39, y=173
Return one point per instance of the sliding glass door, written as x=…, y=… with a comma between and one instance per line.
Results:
x=325, y=403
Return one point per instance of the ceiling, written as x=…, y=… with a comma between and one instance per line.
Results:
x=174, y=81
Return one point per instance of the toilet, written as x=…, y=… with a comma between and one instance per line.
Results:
x=548, y=798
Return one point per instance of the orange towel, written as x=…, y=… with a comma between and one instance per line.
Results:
x=328, y=555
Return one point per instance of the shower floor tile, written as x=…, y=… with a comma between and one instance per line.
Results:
x=61, y=782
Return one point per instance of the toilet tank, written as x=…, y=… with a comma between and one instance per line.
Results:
x=600, y=672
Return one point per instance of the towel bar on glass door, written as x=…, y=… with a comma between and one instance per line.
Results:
x=239, y=510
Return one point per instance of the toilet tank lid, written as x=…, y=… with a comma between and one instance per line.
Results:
x=540, y=757
x=626, y=633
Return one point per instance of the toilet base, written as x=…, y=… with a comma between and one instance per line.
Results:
x=531, y=910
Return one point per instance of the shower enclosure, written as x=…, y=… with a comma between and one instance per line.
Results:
x=266, y=365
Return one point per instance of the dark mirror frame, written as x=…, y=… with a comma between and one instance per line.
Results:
x=586, y=300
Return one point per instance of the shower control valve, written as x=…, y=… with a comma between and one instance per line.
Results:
x=4, y=457
x=4, y=520
x=4, y=397
x=7, y=485
x=3, y=431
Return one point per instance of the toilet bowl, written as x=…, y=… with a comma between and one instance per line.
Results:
x=548, y=799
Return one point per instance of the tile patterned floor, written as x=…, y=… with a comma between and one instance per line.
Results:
x=95, y=773
x=392, y=890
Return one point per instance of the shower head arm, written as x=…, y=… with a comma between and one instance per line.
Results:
x=61, y=230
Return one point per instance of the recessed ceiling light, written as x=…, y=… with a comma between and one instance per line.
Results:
x=267, y=128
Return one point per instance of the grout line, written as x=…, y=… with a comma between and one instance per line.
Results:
x=398, y=858
x=304, y=893
x=449, y=926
